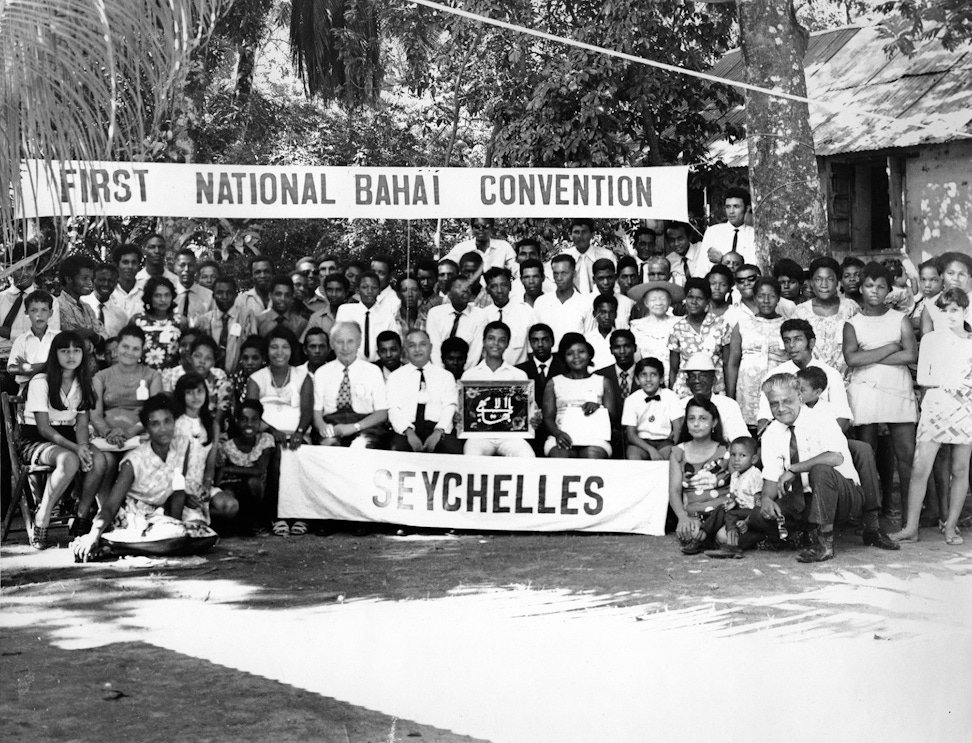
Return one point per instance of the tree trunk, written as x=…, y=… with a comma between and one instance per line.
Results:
x=788, y=206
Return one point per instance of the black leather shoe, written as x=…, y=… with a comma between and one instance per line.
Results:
x=694, y=547
x=820, y=549
x=877, y=538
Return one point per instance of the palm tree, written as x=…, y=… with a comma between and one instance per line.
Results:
x=90, y=80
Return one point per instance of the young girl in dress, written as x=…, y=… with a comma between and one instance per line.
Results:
x=196, y=422
x=699, y=478
x=945, y=369
x=55, y=431
x=879, y=343
x=243, y=463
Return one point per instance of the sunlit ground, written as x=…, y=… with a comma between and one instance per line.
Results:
x=855, y=652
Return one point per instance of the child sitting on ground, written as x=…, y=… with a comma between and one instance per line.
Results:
x=243, y=463
x=745, y=488
x=648, y=418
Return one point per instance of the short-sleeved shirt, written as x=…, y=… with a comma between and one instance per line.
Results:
x=232, y=453
x=746, y=487
x=653, y=419
x=816, y=433
x=39, y=402
x=35, y=350
x=367, y=387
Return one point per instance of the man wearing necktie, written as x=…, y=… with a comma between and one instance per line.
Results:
x=687, y=259
x=422, y=401
x=620, y=375
x=809, y=479
x=733, y=234
x=193, y=299
x=585, y=254
x=281, y=310
x=368, y=314
x=350, y=400
x=102, y=301
x=457, y=318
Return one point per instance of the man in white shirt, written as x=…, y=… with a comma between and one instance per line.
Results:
x=605, y=283
x=102, y=299
x=350, y=403
x=798, y=342
x=369, y=316
x=495, y=253
x=519, y=317
x=564, y=310
x=687, y=259
x=192, y=299
x=808, y=478
x=604, y=318
x=388, y=299
x=129, y=290
x=457, y=318
x=317, y=347
x=700, y=376
x=529, y=249
x=154, y=254
x=584, y=254
x=493, y=368
x=532, y=283
x=733, y=235
x=257, y=299
x=423, y=399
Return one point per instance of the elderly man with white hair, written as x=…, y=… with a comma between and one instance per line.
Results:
x=809, y=480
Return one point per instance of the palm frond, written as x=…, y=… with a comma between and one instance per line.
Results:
x=89, y=79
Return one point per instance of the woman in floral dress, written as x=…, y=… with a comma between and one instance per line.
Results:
x=162, y=331
x=697, y=332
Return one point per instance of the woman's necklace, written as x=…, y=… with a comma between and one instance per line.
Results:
x=273, y=379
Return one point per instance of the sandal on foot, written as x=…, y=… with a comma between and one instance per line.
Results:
x=897, y=537
x=280, y=529
x=38, y=538
x=298, y=528
x=954, y=539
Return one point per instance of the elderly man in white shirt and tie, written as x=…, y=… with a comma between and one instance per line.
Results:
x=350, y=402
x=423, y=399
x=809, y=481
x=493, y=368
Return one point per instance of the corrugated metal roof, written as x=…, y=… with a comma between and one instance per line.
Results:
x=929, y=95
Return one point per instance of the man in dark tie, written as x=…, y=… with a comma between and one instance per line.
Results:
x=621, y=376
x=541, y=366
x=281, y=310
x=809, y=481
x=733, y=235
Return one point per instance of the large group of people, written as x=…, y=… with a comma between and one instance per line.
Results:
x=784, y=400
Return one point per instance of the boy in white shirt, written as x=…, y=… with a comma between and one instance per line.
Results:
x=30, y=350
x=648, y=415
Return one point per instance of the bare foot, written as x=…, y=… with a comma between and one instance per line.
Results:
x=904, y=536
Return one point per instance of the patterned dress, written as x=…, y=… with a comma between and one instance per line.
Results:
x=762, y=350
x=945, y=367
x=651, y=338
x=710, y=338
x=161, y=350
x=829, y=347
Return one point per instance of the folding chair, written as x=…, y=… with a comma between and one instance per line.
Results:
x=28, y=480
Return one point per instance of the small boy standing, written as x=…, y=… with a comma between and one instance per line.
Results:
x=647, y=418
x=30, y=350
x=745, y=487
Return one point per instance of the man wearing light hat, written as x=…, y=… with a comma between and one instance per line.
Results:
x=700, y=376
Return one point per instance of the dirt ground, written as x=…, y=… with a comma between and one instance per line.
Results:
x=497, y=637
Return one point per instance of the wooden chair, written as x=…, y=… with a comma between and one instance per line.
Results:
x=27, y=480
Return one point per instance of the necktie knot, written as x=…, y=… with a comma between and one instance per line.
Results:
x=543, y=370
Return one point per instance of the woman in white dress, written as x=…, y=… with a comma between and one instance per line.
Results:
x=577, y=405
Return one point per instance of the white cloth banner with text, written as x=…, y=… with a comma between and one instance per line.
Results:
x=127, y=189
x=484, y=493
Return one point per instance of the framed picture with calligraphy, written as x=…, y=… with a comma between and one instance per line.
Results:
x=495, y=410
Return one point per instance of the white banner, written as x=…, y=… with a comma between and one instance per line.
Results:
x=123, y=189
x=481, y=493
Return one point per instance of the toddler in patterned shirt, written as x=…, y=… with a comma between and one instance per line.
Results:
x=745, y=488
